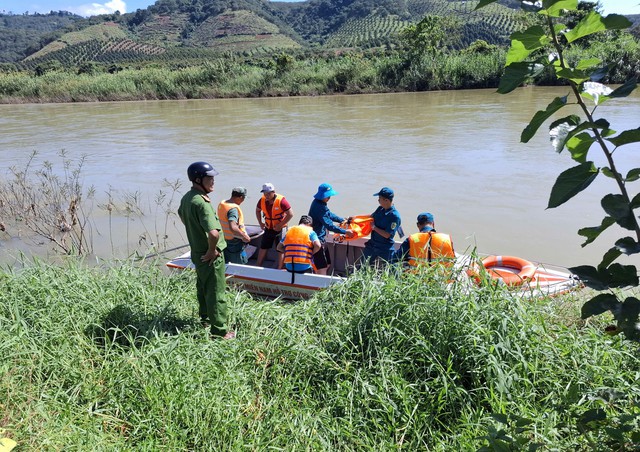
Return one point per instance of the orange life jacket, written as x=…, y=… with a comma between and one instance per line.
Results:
x=275, y=215
x=297, y=245
x=362, y=225
x=427, y=247
x=223, y=209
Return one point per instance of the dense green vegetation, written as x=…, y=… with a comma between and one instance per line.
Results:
x=283, y=75
x=21, y=35
x=243, y=26
x=114, y=358
x=194, y=49
x=184, y=73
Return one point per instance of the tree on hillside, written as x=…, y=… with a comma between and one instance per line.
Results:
x=433, y=35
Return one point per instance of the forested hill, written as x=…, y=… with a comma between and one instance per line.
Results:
x=23, y=34
x=183, y=27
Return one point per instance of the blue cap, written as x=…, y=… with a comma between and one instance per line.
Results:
x=385, y=192
x=325, y=191
x=425, y=217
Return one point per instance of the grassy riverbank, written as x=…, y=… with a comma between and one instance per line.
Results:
x=281, y=76
x=114, y=358
x=288, y=75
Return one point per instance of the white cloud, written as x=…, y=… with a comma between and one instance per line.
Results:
x=93, y=9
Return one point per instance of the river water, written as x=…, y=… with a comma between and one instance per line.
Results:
x=453, y=153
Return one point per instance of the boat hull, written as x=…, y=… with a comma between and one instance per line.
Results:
x=274, y=283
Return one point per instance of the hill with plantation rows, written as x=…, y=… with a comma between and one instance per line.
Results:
x=170, y=28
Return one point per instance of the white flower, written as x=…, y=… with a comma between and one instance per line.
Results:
x=558, y=135
x=594, y=90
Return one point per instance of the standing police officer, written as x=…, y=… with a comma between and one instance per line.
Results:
x=207, y=243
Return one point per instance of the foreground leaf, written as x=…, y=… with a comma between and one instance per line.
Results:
x=609, y=257
x=626, y=89
x=594, y=23
x=628, y=246
x=579, y=146
x=618, y=208
x=540, y=117
x=626, y=137
x=515, y=74
x=623, y=275
x=577, y=76
x=633, y=175
x=571, y=182
x=523, y=43
x=599, y=305
x=555, y=8
x=615, y=276
x=590, y=277
x=592, y=233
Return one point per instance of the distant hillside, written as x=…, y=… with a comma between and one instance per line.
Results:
x=245, y=26
x=21, y=35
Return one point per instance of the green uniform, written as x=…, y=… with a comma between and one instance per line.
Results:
x=199, y=217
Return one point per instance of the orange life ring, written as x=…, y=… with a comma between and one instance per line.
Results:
x=525, y=269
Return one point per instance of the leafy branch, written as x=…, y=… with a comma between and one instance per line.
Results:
x=542, y=46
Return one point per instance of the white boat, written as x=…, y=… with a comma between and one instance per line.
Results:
x=537, y=279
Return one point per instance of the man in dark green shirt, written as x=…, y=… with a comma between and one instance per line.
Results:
x=207, y=243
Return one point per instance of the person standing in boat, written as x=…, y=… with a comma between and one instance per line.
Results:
x=207, y=243
x=232, y=221
x=386, y=222
x=299, y=245
x=426, y=246
x=273, y=212
x=323, y=220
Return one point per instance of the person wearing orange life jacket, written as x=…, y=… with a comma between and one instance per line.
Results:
x=273, y=212
x=299, y=245
x=232, y=222
x=425, y=247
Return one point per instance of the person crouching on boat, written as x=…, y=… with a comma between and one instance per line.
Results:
x=425, y=247
x=386, y=222
x=273, y=213
x=299, y=245
x=323, y=220
x=232, y=222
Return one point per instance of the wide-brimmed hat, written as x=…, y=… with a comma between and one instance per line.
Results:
x=325, y=191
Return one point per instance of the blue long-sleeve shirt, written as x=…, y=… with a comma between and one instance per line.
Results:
x=323, y=220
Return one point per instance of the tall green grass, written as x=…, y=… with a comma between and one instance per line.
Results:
x=351, y=73
x=114, y=358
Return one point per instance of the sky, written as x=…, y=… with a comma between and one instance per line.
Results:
x=88, y=8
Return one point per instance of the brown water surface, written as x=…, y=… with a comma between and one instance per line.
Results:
x=454, y=153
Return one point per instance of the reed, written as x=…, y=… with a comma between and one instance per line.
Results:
x=113, y=357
